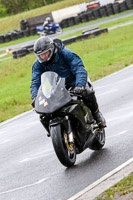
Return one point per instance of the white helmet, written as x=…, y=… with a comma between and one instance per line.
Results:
x=48, y=19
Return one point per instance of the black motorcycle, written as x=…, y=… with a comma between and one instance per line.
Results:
x=67, y=119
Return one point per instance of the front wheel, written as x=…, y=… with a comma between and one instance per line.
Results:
x=99, y=139
x=59, y=30
x=41, y=33
x=64, y=150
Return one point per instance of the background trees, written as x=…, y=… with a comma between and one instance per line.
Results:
x=3, y=10
x=9, y=7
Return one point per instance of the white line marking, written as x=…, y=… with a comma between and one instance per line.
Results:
x=123, y=132
x=121, y=109
x=103, y=86
x=101, y=179
x=16, y=117
x=116, y=82
x=4, y=54
x=120, y=25
x=5, y=141
x=123, y=80
x=23, y=187
x=29, y=159
x=122, y=117
x=6, y=58
x=113, y=74
x=105, y=93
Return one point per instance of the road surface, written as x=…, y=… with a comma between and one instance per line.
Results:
x=29, y=168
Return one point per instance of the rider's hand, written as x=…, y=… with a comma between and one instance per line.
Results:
x=33, y=102
x=79, y=90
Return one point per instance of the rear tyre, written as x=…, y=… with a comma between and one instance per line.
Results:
x=64, y=150
x=99, y=139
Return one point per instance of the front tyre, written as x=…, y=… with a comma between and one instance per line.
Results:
x=41, y=33
x=59, y=30
x=64, y=150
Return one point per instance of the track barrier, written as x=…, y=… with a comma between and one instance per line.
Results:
x=88, y=34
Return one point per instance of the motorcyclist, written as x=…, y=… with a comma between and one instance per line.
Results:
x=53, y=56
x=46, y=23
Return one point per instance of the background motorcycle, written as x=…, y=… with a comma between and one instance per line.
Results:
x=51, y=29
x=67, y=119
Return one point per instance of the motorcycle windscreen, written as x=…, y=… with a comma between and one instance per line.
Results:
x=39, y=28
x=52, y=94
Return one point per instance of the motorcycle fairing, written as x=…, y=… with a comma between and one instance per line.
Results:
x=52, y=94
x=79, y=114
x=52, y=27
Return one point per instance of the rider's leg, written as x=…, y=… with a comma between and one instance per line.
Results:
x=91, y=102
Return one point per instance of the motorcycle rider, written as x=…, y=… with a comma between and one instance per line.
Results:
x=46, y=23
x=53, y=56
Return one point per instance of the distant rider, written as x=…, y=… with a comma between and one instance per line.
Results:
x=46, y=23
x=53, y=56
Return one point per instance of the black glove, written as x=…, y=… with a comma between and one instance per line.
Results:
x=78, y=90
x=33, y=102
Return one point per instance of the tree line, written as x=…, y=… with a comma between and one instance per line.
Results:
x=10, y=7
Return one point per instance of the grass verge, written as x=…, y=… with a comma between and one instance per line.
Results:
x=119, y=190
x=18, y=41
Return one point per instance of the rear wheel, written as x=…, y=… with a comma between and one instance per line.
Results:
x=99, y=139
x=65, y=150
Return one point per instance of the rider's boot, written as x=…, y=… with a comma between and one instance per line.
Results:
x=91, y=102
x=101, y=122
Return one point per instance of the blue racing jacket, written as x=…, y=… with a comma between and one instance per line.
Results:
x=66, y=64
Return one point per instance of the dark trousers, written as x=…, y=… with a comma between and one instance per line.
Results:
x=89, y=98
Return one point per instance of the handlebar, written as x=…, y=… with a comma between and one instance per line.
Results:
x=72, y=93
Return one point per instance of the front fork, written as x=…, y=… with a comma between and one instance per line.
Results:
x=46, y=123
x=69, y=140
x=66, y=122
x=69, y=131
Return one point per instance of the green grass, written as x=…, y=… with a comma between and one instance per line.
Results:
x=18, y=41
x=120, y=189
x=6, y=55
x=15, y=78
x=102, y=55
x=13, y=22
x=106, y=53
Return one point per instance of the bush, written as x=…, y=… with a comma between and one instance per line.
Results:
x=3, y=10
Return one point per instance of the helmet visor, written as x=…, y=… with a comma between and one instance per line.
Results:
x=44, y=55
x=44, y=49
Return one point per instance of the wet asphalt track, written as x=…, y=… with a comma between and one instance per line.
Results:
x=29, y=168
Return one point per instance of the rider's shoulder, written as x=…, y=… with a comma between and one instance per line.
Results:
x=68, y=53
x=37, y=64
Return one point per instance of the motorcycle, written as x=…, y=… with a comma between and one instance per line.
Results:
x=67, y=119
x=50, y=29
